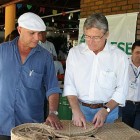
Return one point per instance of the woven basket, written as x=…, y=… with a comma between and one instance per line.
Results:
x=116, y=131
x=135, y=137
x=32, y=131
x=78, y=138
x=69, y=130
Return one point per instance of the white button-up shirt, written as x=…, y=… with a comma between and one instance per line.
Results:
x=97, y=78
x=134, y=86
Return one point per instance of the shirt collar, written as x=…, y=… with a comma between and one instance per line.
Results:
x=15, y=43
x=43, y=42
x=84, y=47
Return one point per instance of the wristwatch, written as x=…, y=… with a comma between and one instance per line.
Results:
x=107, y=108
x=53, y=112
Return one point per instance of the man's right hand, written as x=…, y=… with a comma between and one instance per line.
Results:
x=78, y=116
x=79, y=119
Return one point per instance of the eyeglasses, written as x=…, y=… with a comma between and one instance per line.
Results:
x=95, y=38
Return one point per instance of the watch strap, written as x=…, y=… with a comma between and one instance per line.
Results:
x=53, y=112
x=107, y=108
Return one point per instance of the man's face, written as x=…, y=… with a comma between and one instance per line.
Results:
x=95, y=39
x=43, y=36
x=136, y=55
x=29, y=38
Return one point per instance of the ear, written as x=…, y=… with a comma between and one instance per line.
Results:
x=107, y=34
x=19, y=29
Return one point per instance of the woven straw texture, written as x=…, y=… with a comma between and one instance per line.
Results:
x=37, y=131
x=70, y=130
x=117, y=131
x=32, y=131
x=135, y=137
x=78, y=138
x=84, y=138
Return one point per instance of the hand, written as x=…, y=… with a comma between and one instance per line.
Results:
x=100, y=118
x=79, y=119
x=53, y=121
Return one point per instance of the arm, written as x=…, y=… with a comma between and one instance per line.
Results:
x=52, y=93
x=53, y=102
x=52, y=118
x=71, y=92
x=78, y=117
x=120, y=91
x=101, y=115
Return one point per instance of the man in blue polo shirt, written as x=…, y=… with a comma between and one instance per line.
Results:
x=26, y=69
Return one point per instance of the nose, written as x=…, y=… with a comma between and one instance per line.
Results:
x=90, y=41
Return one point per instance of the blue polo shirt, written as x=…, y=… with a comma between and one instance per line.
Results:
x=22, y=85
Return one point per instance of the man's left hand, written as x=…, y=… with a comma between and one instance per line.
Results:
x=100, y=118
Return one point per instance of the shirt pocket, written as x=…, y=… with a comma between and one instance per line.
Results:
x=32, y=79
x=107, y=80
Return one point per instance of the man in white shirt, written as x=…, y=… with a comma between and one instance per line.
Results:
x=47, y=44
x=96, y=77
x=131, y=112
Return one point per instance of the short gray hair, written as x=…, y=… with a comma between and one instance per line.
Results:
x=96, y=20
